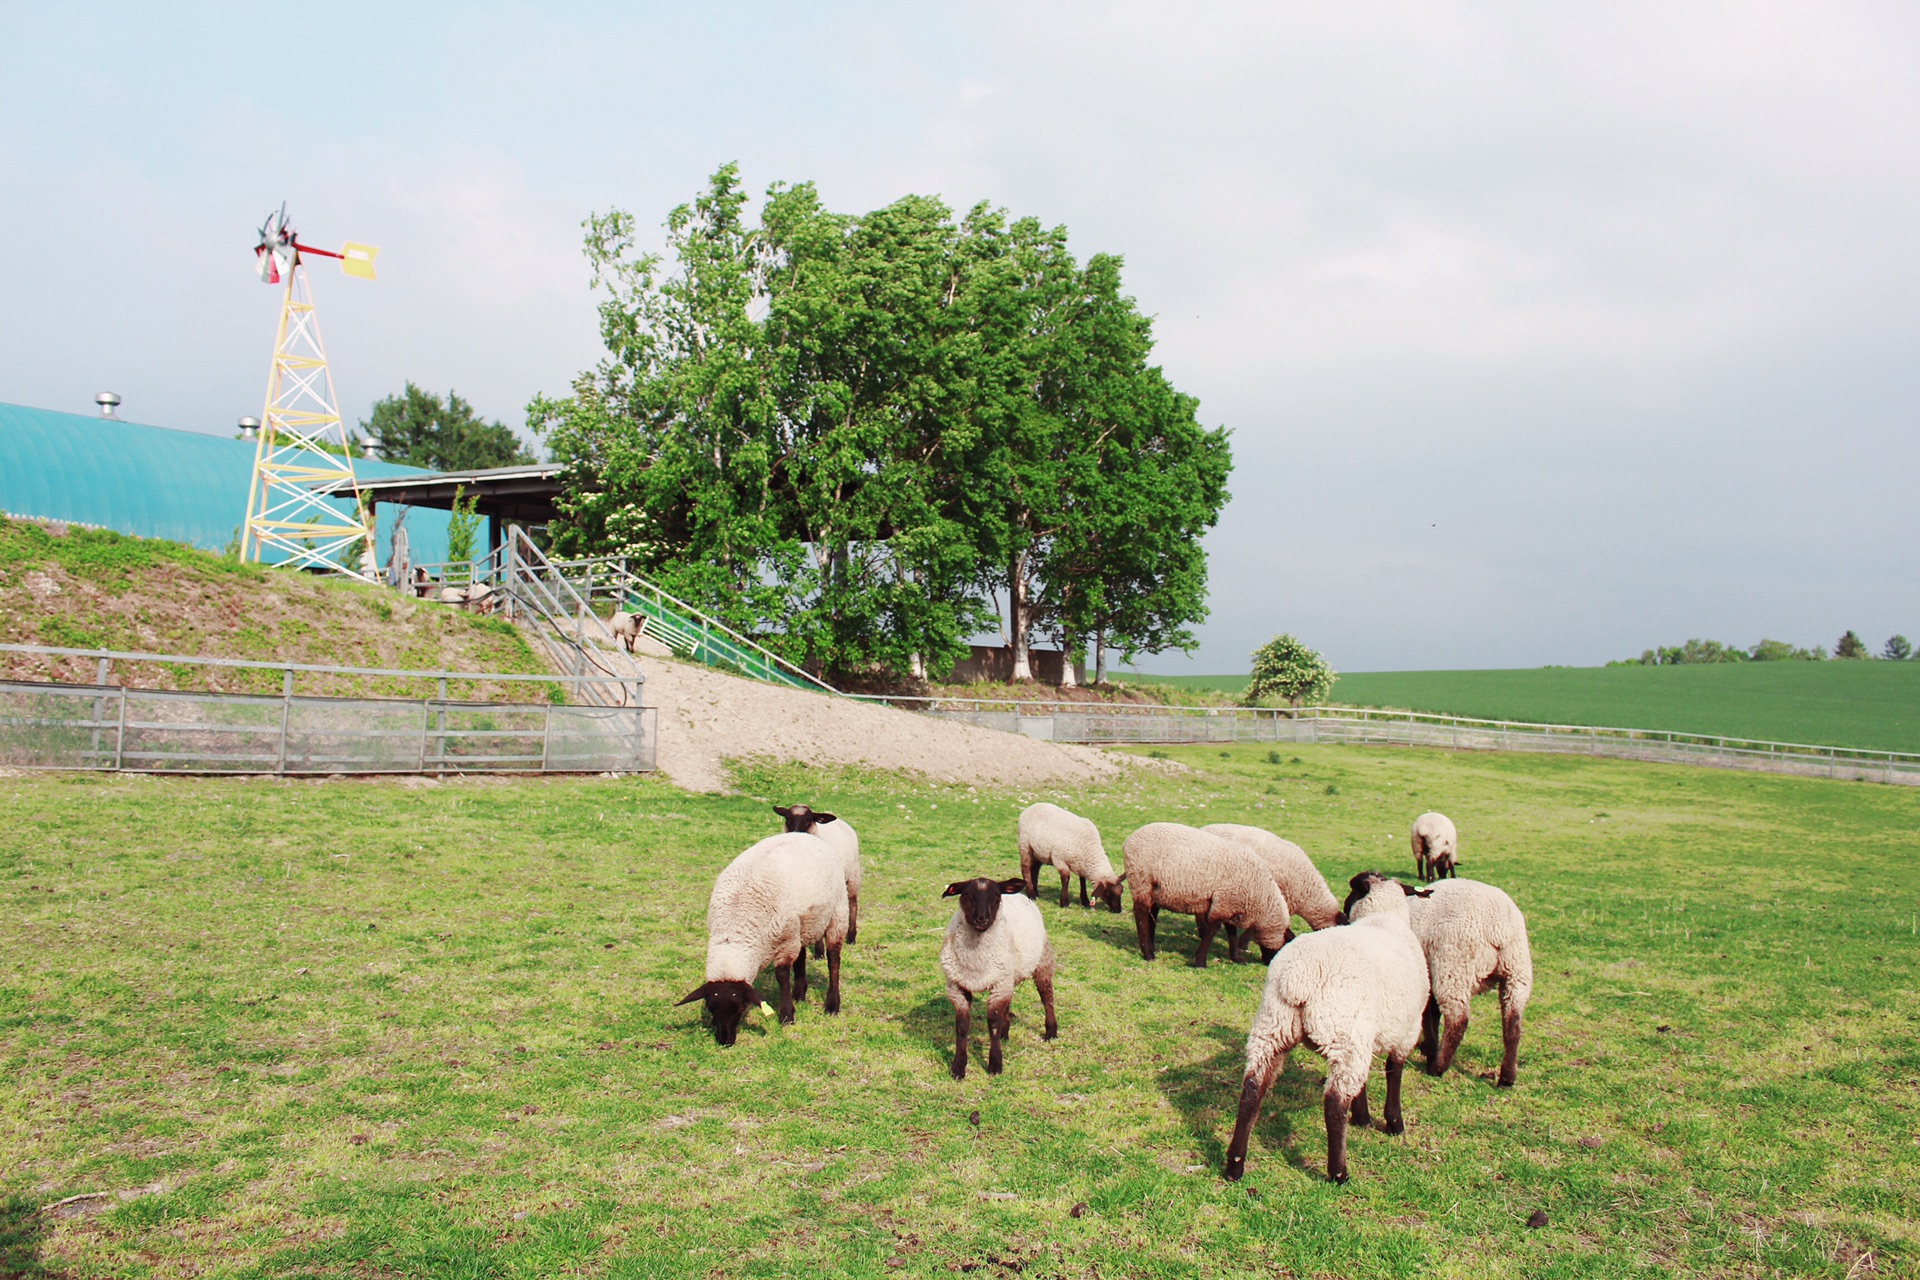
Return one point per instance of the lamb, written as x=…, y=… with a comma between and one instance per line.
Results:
x=1349, y=993
x=1305, y=888
x=1219, y=880
x=1436, y=846
x=626, y=628
x=1475, y=938
x=767, y=905
x=1070, y=844
x=994, y=941
x=845, y=841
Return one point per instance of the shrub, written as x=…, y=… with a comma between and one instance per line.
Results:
x=1850, y=646
x=1284, y=668
x=1898, y=649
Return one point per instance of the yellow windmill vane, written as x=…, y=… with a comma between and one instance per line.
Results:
x=303, y=445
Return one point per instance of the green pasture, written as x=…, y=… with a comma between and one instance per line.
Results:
x=1869, y=704
x=386, y=1029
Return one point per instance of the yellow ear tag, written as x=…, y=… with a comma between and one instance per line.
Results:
x=766, y=1008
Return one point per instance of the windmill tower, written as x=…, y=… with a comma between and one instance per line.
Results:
x=302, y=443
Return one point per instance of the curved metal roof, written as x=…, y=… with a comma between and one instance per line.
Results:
x=157, y=482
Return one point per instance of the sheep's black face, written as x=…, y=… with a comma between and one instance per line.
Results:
x=800, y=818
x=1362, y=885
x=980, y=899
x=727, y=1005
x=1110, y=895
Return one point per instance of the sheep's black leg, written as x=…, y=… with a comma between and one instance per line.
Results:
x=1236, y=942
x=1336, y=1113
x=962, y=1024
x=819, y=950
x=1430, y=1036
x=1084, y=901
x=1452, y=1030
x=1143, y=922
x=1043, y=983
x=1253, y=1091
x=783, y=974
x=999, y=1022
x=1396, y=1123
x=1066, y=882
x=800, y=975
x=1357, y=1112
x=1207, y=926
x=853, y=919
x=833, y=980
x=1510, y=1034
x=1030, y=871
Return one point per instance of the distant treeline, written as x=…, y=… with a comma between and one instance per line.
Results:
x=1896, y=649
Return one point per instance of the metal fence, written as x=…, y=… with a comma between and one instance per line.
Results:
x=100, y=726
x=1155, y=725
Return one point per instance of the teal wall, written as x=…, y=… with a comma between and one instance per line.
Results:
x=159, y=483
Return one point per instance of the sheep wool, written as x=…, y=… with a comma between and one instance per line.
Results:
x=838, y=833
x=1218, y=881
x=1349, y=993
x=995, y=941
x=626, y=628
x=1436, y=846
x=1300, y=881
x=1052, y=836
x=1475, y=939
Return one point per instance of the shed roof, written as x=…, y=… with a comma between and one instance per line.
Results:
x=525, y=493
x=155, y=482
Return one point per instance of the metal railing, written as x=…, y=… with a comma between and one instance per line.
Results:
x=101, y=726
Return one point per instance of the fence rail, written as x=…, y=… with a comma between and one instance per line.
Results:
x=49, y=725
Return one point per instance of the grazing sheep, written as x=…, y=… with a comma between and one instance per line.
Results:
x=626, y=628
x=1475, y=939
x=995, y=941
x=839, y=833
x=1071, y=845
x=1305, y=888
x=1219, y=880
x=1349, y=993
x=1436, y=846
x=767, y=905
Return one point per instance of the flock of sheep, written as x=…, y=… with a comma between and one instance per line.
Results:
x=1392, y=967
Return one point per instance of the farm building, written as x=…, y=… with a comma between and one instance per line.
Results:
x=158, y=482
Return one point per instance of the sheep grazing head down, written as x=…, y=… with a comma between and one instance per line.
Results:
x=1362, y=886
x=800, y=818
x=980, y=899
x=727, y=1005
x=1109, y=893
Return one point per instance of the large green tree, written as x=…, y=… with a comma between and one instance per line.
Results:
x=420, y=429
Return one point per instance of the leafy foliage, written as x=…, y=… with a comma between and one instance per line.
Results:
x=462, y=525
x=845, y=433
x=1710, y=651
x=1851, y=646
x=420, y=429
x=1897, y=649
x=1287, y=669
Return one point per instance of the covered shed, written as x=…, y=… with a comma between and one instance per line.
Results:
x=523, y=495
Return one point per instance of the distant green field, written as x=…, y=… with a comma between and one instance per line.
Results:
x=1847, y=704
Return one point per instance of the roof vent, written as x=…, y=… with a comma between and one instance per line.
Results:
x=248, y=426
x=108, y=402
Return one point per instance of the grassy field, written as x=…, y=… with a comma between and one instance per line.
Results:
x=374, y=1029
x=1843, y=704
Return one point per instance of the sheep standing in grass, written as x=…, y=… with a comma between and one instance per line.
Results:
x=1218, y=880
x=1475, y=939
x=767, y=905
x=626, y=628
x=994, y=942
x=1305, y=888
x=1070, y=844
x=839, y=833
x=1348, y=993
x=1436, y=846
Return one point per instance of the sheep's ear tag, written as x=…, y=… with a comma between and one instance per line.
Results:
x=766, y=1008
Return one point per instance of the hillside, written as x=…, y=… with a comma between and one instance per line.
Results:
x=1874, y=705
x=89, y=588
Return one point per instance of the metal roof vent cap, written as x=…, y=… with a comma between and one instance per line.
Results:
x=108, y=402
x=248, y=426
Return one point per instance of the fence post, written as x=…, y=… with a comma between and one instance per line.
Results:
x=99, y=705
x=546, y=737
x=508, y=576
x=120, y=741
x=286, y=712
x=440, y=737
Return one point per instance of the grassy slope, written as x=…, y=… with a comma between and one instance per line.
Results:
x=95, y=589
x=1848, y=704
x=366, y=1028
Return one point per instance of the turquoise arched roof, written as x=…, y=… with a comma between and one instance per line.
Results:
x=156, y=482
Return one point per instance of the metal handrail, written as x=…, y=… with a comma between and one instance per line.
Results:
x=176, y=659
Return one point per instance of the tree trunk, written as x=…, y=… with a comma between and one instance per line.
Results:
x=1100, y=656
x=1017, y=617
x=1067, y=680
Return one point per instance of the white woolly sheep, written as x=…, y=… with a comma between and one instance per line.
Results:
x=1218, y=880
x=767, y=905
x=626, y=628
x=1305, y=888
x=1475, y=939
x=995, y=941
x=1348, y=993
x=1436, y=846
x=1071, y=845
x=839, y=833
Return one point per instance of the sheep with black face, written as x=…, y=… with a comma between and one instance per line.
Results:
x=768, y=904
x=839, y=833
x=994, y=942
x=1070, y=844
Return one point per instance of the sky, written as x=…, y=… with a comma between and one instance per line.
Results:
x=1545, y=334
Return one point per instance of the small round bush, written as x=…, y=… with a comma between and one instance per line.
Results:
x=1286, y=670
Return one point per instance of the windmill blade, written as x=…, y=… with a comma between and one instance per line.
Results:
x=357, y=260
